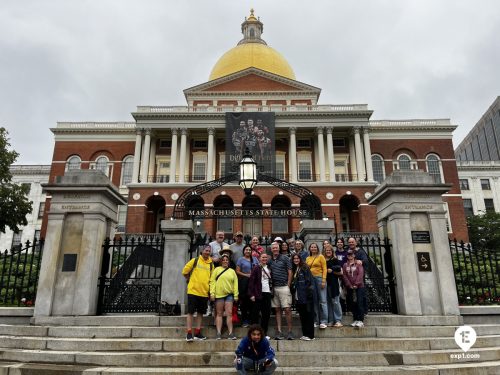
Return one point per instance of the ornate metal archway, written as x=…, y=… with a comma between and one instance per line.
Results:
x=305, y=194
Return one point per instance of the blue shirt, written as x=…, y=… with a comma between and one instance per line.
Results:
x=245, y=265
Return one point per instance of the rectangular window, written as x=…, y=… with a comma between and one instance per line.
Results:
x=122, y=218
x=485, y=184
x=16, y=241
x=225, y=224
x=303, y=143
x=468, y=210
x=199, y=167
x=200, y=144
x=165, y=143
x=280, y=167
x=489, y=205
x=464, y=184
x=41, y=209
x=37, y=235
x=280, y=225
x=338, y=142
x=305, y=167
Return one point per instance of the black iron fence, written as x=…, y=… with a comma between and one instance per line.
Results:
x=477, y=274
x=19, y=270
x=131, y=273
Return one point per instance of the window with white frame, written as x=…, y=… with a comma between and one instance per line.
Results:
x=489, y=206
x=434, y=168
x=468, y=209
x=280, y=166
x=378, y=168
x=404, y=162
x=464, y=184
x=122, y=218
x=199, y=167
x=222, y=164
x=41, y=209
x=162, y=169
x=127, y=170
x=73, y=162
x=16, y=240
x=102, y=164
x=304, y=165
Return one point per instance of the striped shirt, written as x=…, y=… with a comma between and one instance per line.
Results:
x=279, y=270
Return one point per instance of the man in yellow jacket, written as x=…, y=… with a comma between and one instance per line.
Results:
x=197, y=273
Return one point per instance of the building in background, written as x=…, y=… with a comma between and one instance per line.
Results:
x=336, y=151
x=478, y=164
x=34, y=176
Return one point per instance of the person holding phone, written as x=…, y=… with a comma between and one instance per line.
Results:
x=254, y=353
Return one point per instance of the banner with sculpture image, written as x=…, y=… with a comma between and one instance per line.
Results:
x=252, y=130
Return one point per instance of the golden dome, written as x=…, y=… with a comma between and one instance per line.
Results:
x=255, y=55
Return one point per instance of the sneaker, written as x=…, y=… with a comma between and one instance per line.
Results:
x=200, y=337
x=189, y=337
x=245, y=325
x=360, y=324
x=330, y=324
x=322, y=326
x=231, y=336
x=305, y=338
x=316, y=325
x=354, y=324
x=218, y=336
x=338, y=325
x=290, y=336
x=268, y=338
x=279, y=336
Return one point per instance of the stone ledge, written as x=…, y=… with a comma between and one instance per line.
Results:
x=480, y=310
x=16, y=311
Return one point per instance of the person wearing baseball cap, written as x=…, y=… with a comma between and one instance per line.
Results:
x=237, y=247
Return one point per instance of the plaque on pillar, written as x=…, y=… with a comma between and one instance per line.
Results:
x=424, y=262
x=69, y=262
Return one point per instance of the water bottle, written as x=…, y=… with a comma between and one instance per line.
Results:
x=239, y=363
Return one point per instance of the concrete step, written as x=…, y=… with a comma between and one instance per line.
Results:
x=224, y=359
x=173, y=332
x=224, y=345
x=179, y=321
x=485, y=368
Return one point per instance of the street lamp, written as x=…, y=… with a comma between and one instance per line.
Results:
x=248, y=173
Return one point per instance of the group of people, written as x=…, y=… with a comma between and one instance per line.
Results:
x=314, y=280
x=251, y=136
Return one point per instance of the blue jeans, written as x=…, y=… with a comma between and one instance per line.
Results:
x=248, y=364
x=334, y=307
x=320, y=306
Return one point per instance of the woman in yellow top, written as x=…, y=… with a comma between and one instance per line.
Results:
x=317, y=264
x=224, y=290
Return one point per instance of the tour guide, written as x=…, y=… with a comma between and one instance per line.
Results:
x=197, y=273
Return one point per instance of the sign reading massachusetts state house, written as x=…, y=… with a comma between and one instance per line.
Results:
x=260, y=212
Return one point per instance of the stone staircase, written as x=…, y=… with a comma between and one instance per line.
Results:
x=389, y=344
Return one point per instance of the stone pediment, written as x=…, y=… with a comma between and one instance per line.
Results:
x=252, y=80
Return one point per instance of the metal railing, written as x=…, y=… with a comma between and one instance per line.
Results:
x=254, y=108
x=19, y=270
x=477, y=274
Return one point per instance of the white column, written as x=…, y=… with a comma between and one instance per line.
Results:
x=331, y=155
x=182, y=156
x=359, y=154
x=368, y=154
x=210, y=156
x=352, y=158
x=152, y=158
x=145, y=156
x=173, y=155
x=292, y=155
x=137, y=156
x=321, y=154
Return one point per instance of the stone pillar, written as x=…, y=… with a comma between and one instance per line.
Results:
x=83, y=208
x=316, y=231
x=368, y=154
x=210, y=156
x=331, y=155
x=321, y=154
x=173, y=155
x=292, y=154
x=182, y=156
x=145, y=156
x=352, y=159
x=137, y=156
x=178, y=234
x=410, y=211
x=152, y=158
x=359, y=155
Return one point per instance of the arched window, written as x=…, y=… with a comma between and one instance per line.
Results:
x=101, y=164
x=378, y=168
x=404, y=163
x=127, y=170
x=73, y=162
x=252, y=33
x=434, y=168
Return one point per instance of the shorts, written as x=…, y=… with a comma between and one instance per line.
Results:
x=282, y=297
x=197, y=304
x=228, y=298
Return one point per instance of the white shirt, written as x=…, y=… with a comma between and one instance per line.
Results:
x=265, y=279
x=216, y=247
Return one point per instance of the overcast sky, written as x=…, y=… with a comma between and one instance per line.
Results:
x=97, y=60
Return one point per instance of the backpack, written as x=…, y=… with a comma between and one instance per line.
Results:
x=194, y=266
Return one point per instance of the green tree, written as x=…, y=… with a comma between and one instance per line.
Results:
x=484, y=233
x=14, y=203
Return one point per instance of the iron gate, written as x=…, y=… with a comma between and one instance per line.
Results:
x=131, y=273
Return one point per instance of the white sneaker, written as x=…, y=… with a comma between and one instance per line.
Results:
x=305, y=338
x=322, y=326
x=360, y=324
x=315, y=325
x=354, y=324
